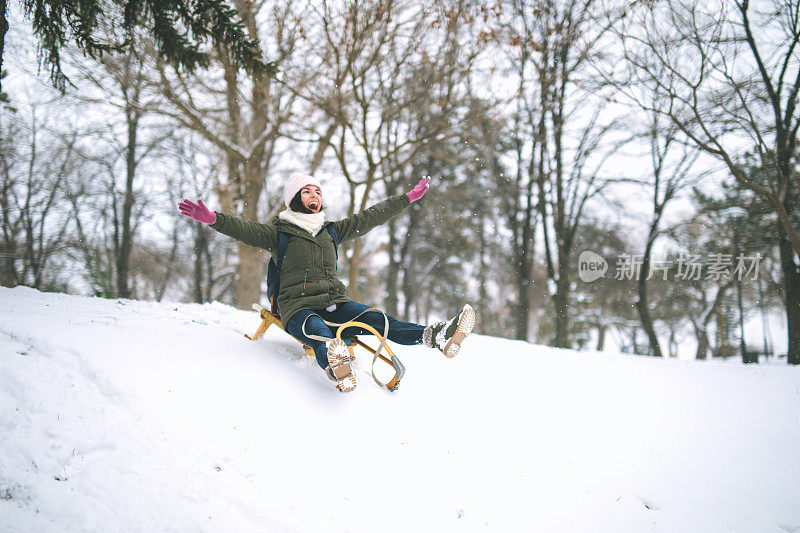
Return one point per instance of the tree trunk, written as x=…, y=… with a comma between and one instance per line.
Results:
x=791, y=284
x=561, y=297
x=393, y=286
x=390, y=300
x=525, y=265
x=200, y=252
x=702, y=342
x=483, y=296
x=634, y=340
x=561, y=301
x=523, y=296
x=642, y=305
x=246, y=174
x=171, y=260
x=251, y=269
x=408, y=284
x=672, y=344
x=249, y=273
x=354, y=261
x=701, y=330
x=722, y=333
x=8, y=246
x=126, y=241
x=8, y=272
x=601, y=337
x=3, y=30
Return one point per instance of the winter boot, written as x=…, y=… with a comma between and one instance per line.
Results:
x=448, y=336
x=329, y=371
x=339, y=359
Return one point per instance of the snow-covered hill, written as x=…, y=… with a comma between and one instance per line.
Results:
x=120, y=415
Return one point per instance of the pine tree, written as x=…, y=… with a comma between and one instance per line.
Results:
x=182, y=29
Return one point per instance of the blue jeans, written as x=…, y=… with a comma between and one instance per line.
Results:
x=400, y=332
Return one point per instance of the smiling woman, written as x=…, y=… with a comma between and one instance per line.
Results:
x=303, y=194
x=311, y=198
x=310, y=296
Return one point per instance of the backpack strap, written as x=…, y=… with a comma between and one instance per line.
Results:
x=335, y=236
x=280, y=251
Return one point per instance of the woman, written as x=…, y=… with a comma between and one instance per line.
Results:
x=310, y=291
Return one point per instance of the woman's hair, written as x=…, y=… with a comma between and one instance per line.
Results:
x=297, y=204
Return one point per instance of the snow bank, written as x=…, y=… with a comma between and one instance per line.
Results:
x=138, y=416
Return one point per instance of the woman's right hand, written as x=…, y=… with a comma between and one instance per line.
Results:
x=419, y=191
x=198, y=212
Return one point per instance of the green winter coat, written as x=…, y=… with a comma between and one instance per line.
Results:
x=309, y=274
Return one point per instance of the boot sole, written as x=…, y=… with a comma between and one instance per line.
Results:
x=466, y=323
x=339, y=360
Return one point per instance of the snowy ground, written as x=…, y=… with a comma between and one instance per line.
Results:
x=137, y=416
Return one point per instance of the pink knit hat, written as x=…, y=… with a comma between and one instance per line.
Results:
x=295, y=183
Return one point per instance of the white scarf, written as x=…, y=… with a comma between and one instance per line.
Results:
x=311, y=222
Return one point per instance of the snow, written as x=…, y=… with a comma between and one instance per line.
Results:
x=142, y=416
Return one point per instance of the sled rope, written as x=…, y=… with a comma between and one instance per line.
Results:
x=268, y=319
x=399, y=369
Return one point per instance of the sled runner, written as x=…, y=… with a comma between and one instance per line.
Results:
x=268, y=319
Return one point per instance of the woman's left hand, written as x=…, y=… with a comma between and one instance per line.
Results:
x=419, y=191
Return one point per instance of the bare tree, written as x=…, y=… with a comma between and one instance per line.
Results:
x=122, y=83
x=567, y=147
x=35, y=164
x=703, y=318
x=389, y=75
x=730, y=78
x=242, y=116
x=607, y=302
x=10, y=159
x=209, y=274
x=518, y=192
x=424, y=257
x=670, y=173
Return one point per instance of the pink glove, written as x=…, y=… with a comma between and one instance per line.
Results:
x=198, y=212
x=419, y=191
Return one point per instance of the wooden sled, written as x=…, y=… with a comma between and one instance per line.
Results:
x=268, y=319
